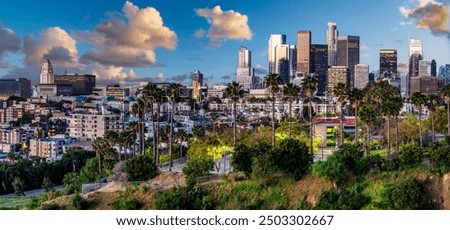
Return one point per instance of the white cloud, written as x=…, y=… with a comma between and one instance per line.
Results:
x=225, y=25
x=200, y=33
x=54, y=44
x=129, y=43
x=10, y=42
x=366, y=56
x=430, y=15
x=364, y=47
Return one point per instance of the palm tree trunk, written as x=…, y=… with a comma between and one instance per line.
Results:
x=341, y=137
x=356, y=124
x=368, y=141
x=388, y=133
x=448, y=118
x=234, y=123
x=120, y=151
x=157, y=133
x=290, y=116
x=432, y=125
x=310, y=129
x=273, y=121
x=396, y=134
x=171, y=137
x=420, y=128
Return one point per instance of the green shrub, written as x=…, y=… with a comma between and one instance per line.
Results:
x=126, y=204
x=72, y=183
x=349, y=155
x=368, y=164
x=79, y=203
x=439, y=153
x=189, y=197
x=293, y=158
x=349, y=199
x=406, y=194
x=140, y=168
x=411, y=154
x=198, y=166
x=333, y=169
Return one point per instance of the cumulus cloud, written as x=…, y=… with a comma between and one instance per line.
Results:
x=430, y=15
x=130, y=42
x=54, y=44
x=10, y=42
x=224, y=25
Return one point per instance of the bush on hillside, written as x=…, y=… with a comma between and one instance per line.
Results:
x=140, y=168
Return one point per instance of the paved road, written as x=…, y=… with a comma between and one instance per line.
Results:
x=33, y=193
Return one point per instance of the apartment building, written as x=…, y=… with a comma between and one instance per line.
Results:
x=87, y=127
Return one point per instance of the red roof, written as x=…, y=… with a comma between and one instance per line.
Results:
x=334, y=120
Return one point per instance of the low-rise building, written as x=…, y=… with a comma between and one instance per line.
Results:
x=88, y=127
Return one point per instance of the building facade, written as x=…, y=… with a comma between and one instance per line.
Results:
x=426, y=84
x=83, y=84
x=245, y=74
x=274, y=41
x=87, y=127
x=361, y=76
x=348, y=55
x=331, y=39
x=197, y=84
x=20, y=87
x=337, y=74
x=320, y=66
x=388, y=63
x=303, y=52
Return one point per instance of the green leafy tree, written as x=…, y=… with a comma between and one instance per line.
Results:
x=198, y=166
x=141, y=168
x=406, y=194
x=332, y=169
x=432, y=104
x=292, y=157
x=411, y=154
x=439, y=154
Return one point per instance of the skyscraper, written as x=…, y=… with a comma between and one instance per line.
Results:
x=415, y=55
x=303, y=52
x=423, y=68
x=337, y=74
x=47, y=76
x=83, y=84
x=331, y=39
x=433, y=68
x=361, y=76
x=282, y=62
x=388, y=63
x=348, y=55
x=245, y=72
x=319, y=60
x=197, y=83
x=20, y=87
x=274, y=41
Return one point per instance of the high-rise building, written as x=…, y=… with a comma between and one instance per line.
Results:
x=433, y=68
x=388, y=63
x=337, y=74
x=442, y=71
x=282, y=53
x=274, y=41
x=83, y=84
x=47, y=76
x=20, y=87
x=319, y=59
x=402, y=70
x=423, y=68
x=245, y=73
x=331, y=39
x=303, y=52
x=292, y=62
x=426, y=84
x=361, y=76
x=348, y=55
x=415, y=55
x=197, y=83
x=447, y=72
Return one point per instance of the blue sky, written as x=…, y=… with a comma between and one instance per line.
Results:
x=108, y=38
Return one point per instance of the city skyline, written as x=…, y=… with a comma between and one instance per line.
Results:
x=90, y=37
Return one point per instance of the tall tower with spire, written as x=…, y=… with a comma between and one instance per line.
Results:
x=47, y=76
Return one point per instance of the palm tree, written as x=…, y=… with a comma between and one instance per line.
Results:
x=112, y=137
x=290, y=91
x=234, y=91
x=98, y=146
x=397, y=106
x=128, y=138
x=309, y=87
x=355, y=96
x=368, y=116
x=173, y=92
x=139, y=110
x=154, y=94
x=182, y=137
x=432, y=103
x=340, y=95
x=273, y=82
x=418, y=100
x=445, y=93
x=133, y=128
x=391, y=107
